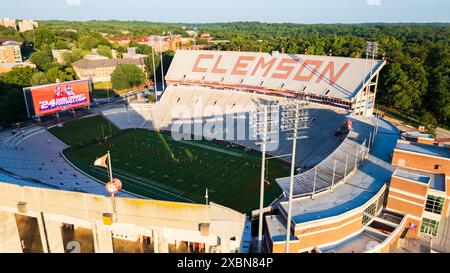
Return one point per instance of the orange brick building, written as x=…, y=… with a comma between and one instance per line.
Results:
x=420, y=187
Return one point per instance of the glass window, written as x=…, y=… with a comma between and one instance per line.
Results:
x=434, y=204
x=429, y=226
x=369, y=213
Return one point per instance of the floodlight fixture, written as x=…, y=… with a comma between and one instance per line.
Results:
x=264, y=121
x=294, y=119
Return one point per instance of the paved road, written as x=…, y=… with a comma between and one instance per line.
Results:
x=440, y=132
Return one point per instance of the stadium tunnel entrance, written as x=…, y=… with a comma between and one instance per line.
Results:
x=132, y=243
x=29, y=234
x=82, y=236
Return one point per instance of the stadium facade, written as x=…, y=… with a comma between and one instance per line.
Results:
x=343, y=197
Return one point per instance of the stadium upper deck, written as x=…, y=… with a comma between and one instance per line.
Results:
x=343, y=82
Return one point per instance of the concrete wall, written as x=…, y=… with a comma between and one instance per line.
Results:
x=327, y=231
x=421, y=162
x=134, y=217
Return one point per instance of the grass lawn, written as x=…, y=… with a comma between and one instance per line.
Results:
x=154, y=165
x=85, y=130
x=101, y=90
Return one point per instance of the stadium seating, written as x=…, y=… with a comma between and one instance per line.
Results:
x=325, y=174
x=39, y=159
x=8, y=178
x=133, y=115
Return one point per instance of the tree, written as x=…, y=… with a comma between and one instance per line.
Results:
x=92, y=40
x=104, y=51
x=149, y=61
x=19, y=76
x=43, y=37
x=55, y=74
x=398, y=89
x=39, y=78
x=148, y=50
x=43, y=59
x=127, y=76
x=70, y=57
x=12, y=106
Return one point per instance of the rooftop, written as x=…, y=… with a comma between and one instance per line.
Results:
x=87, y=64
x=414, y=176
x=414, y=134
x=434, y=181
x=277, y=228
x=423, y=148
x=6, y=39
x=359, y=243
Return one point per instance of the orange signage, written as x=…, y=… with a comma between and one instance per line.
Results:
x=53, y=98
x=301, y=70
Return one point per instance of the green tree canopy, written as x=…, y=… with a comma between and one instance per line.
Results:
x=70, y=57
x=92, y=40
x=104, y=51
x=19, y=76
x=43, y=59
x=39, y=78
x=127, y=76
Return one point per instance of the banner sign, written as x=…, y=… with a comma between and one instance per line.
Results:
x=53, y=98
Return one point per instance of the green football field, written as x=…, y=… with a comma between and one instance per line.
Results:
x=154, y=165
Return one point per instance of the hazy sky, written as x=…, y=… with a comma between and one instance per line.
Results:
x=199, y=11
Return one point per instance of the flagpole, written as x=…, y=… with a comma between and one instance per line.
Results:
x=113, y=199
x=109, y=167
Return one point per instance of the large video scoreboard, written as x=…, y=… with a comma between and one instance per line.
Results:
x=51, y=98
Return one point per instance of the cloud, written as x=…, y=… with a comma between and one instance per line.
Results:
x=373, y=2
x=73, y=2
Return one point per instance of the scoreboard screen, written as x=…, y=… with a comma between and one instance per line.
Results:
x=47, y=99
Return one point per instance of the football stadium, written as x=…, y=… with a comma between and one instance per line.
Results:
x=188, y=169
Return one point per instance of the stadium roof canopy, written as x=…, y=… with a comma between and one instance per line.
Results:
x=336, y=77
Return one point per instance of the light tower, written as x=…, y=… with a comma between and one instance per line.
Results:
x=371, y=50
x=154, y=68
x=195, y=38
x=264, y=121
x=161, y=44
x=294, y=117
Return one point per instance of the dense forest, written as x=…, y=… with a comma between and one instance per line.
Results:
x=415, y=81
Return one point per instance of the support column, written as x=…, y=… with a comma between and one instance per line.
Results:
x=9, y=234
x=102, y=239
x=225, y=245
x=160, y=243
x=54, y=236
x=42, y=232
x=155, y=241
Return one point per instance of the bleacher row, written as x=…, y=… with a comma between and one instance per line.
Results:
x=334, y=168
x=10, y=178
x=33, y=155
x=133, y=115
